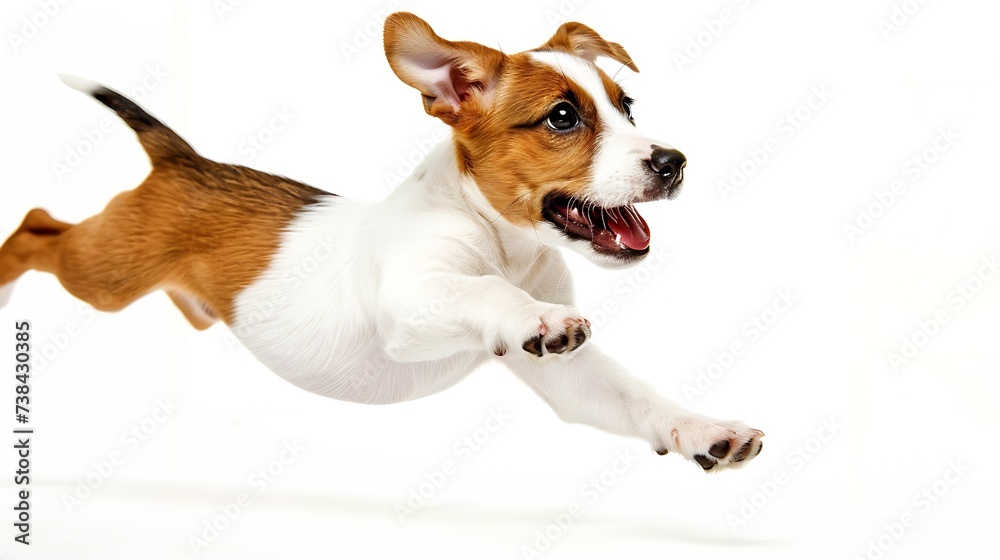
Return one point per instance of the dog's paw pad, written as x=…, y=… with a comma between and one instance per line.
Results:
x=718, y=445
x=533, y=346
x=705, y=462
x=557, y=345
x=720, y=449
x=560, y=331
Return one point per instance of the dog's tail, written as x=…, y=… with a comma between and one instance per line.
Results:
x=162, y=144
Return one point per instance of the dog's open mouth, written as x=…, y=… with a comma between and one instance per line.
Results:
x=617, y=231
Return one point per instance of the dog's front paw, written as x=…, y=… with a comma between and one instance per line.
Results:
x=716, y=445
x=553, y=330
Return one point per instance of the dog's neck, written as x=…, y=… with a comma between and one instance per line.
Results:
x=437, y=177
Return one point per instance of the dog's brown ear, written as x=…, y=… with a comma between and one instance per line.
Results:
x=582, y=41
x=447, y=73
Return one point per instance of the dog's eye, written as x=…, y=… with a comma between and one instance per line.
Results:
x=627, y=105
x=563, y=117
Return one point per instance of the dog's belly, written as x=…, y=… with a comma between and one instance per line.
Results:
x=363, y=373
x=310, y=317
x=330, y=347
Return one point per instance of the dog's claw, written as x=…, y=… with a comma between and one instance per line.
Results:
x=741, y=453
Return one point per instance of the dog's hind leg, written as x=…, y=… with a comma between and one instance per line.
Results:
x=32, y=247
x=196, y=312
x=103, y=260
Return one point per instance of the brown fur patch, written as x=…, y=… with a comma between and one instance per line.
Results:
x=201, y=228
x=580, y=40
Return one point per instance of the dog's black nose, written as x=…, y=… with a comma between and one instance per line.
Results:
x=667, y=162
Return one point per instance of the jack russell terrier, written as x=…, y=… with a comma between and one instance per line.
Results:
x=454, y=268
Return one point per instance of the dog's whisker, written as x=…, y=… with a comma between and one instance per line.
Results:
x=539, y=255
x=632, y=212
x=508, y=208
x=620, y=68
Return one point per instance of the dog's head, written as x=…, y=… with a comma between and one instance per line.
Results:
x=546, y=135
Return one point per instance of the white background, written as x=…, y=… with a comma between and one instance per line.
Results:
x=218, y=77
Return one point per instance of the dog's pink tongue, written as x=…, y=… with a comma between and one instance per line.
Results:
x=633, y=230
